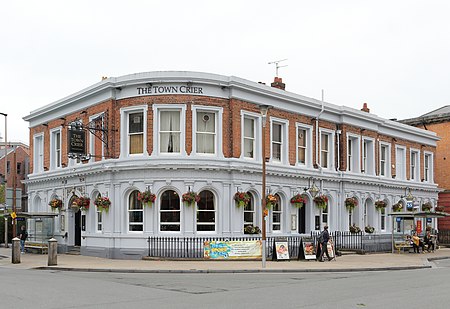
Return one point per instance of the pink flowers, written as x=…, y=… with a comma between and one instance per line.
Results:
x=190, y=197
x=242, y=198
x=147, y=197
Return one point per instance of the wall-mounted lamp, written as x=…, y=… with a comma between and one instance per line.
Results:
x=313, y=189
x=408, y=195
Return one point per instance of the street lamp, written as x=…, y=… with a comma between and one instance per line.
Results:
x=6, y=167
x=263, y=109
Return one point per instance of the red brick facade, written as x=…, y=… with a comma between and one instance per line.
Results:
x=231, y=129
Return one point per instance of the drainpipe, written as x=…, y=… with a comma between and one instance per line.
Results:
x=341, y=185
x=338, y=139
x=317, y=135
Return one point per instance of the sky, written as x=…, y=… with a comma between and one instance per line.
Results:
x=393, y=55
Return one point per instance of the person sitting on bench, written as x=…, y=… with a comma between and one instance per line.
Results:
x=417, y=243
x=428, y=240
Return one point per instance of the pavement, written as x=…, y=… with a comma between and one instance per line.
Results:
x=344, y=263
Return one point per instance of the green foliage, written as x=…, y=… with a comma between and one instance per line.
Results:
x=2, y=194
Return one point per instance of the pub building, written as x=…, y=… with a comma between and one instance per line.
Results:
x=118, y=161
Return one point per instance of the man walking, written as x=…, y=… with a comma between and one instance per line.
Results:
x=324, y=237
x=23, y=236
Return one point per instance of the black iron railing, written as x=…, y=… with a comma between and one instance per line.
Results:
x=444, y=237
x=192, y=247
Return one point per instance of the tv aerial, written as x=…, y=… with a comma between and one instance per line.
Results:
x=277, y=65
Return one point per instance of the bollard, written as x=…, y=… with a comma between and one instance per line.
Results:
x=52, y=252
x=15, y=255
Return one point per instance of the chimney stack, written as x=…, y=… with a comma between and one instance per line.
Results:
x=278, y=83
x=365, y=108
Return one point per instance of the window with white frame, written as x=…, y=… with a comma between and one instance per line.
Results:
x=135, y=213
x=207, y=131
x=170, y=212
x=428, y=164
x=400, y=164
x=98, y=217
x=277, y=141
x=325, y=150
x=383, y=219
x=249, y=212
x=38, y=153
x=414, y=165
x=276, y=214
x=325, y=216
x=169, y=132
x=303, y=145
x=384, y=160
x=169, y=123
x=249, y=137
x=55, y=146
x=96, y=148
x=206, y=212
x=368, y=157
x=352, y=153
x=133, y=131
x=136, y=133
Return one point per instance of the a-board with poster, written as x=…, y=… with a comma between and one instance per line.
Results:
x=280, y=249
x=330, y=248
x=307, y=249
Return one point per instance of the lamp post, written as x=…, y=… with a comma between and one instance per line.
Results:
x=263, y=109
x=6, y=167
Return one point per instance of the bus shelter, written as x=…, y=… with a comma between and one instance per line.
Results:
x=404, y=223
x=40, y=225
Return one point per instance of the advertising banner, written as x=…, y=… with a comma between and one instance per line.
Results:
x=251, y=249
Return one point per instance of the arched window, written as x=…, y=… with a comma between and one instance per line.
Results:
x=98, y=216
x=135, y=213
x=276, y=214
x=249, y=212
x=170, y=211
x=206, y=212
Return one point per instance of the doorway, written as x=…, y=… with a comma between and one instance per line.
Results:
x=302, y=220
x=78, y=228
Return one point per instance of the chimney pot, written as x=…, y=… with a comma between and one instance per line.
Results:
x=278, y=83
x=365, y=108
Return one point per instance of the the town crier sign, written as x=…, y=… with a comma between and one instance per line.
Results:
x=170, y=90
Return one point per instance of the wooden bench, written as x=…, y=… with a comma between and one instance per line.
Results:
x=36, y=246
x=402, y=245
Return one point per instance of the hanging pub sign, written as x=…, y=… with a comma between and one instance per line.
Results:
x=76, y=141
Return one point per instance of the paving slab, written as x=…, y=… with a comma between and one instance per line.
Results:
x=348, y=262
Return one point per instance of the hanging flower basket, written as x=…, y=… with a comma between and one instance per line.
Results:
x=427, y=206
x=380, y=204
x=250, y=229
x=354, y=229
x=397, y=207
x=190, y=198
x=321, y=201
x=56, y=204
x=147, y=197
x=82, y=202
x=298, y=200
x=242, y=199
x=439, y=209
x=270, y=200
x=369, y=229
x=351, y=203
x=103, y=203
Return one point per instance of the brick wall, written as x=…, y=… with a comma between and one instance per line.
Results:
x=231, y=129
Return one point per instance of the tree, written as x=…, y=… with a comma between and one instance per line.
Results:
x=2, y=194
